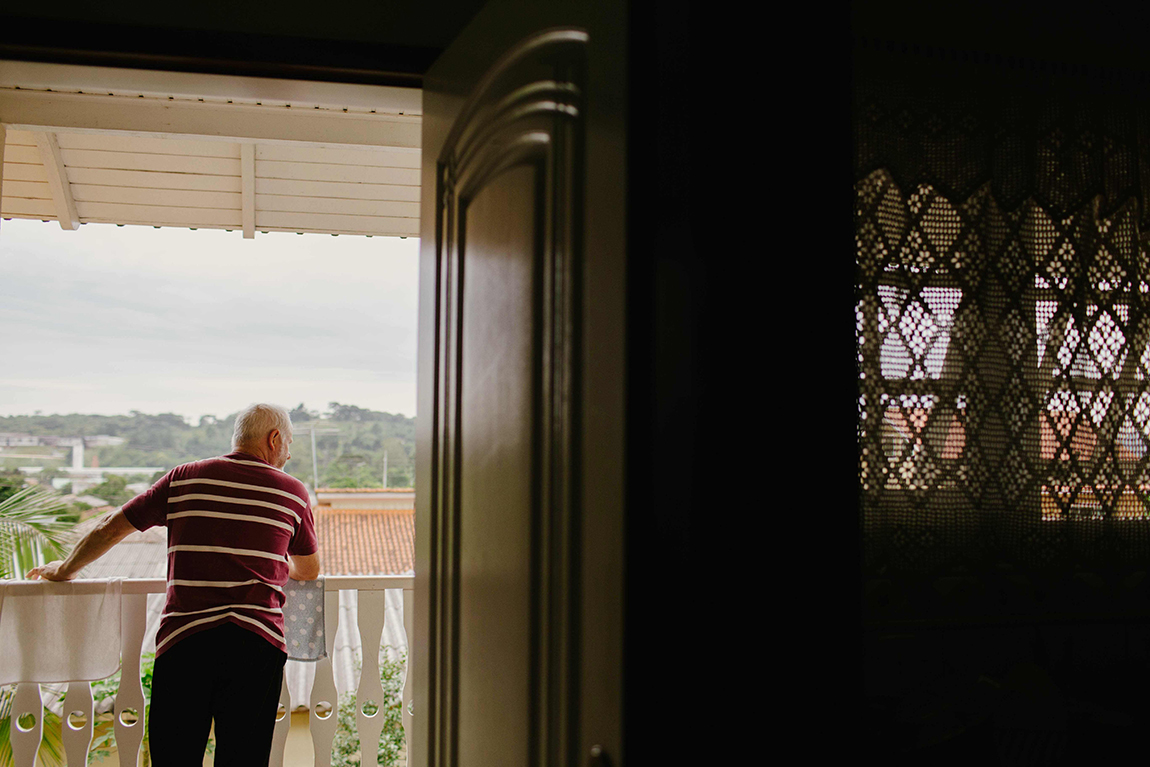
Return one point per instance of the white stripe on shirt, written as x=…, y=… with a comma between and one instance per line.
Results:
x=228, y=607
x=237, y=517
x=230, y=499
x=239, y=486
x=229, y=550
x=211, y=618
x=224, y=584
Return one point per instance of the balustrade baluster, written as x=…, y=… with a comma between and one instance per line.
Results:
x=408, y=700
x=129, y=727
x=370, y=613
x=77, y=740
x=26, y=742
x=323, y=690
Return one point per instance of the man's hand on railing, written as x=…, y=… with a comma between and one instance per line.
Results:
x=53, y=571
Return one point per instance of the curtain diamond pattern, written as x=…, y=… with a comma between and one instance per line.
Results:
x=1002, y=320
x=1004, y=411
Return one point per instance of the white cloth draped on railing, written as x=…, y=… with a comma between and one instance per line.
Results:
x=59, y=631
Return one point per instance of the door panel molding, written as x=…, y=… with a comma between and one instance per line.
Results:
x=526, y=111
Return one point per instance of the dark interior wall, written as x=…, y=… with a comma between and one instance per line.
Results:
x=1108, y=34
x=428, y=25
x=666, y=370
x=341, y=40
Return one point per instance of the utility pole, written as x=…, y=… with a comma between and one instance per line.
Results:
x=384, y=469
x=314, y=470
x=314, y=464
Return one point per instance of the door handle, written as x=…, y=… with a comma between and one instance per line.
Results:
x=598, y=758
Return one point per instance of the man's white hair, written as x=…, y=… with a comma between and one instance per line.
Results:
x=257, y=421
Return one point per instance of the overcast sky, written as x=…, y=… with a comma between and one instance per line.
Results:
x=107, y=319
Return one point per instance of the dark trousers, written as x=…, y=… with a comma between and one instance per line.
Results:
x=225, y=673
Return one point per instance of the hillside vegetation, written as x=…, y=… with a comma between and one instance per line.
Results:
x=352, y=457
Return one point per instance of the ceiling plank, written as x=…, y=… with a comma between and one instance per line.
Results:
x=32, y=190
x=113, y=142
x=19, y=153
x=161, y=163
x=363, y=174
x=22, y=207
x=180, y=198
x=381, y=157
x=58, y=181
x=43, y=111
x=337, y=190
x=144, y=179
x=248, y=189
x=386, y=208
x=160, y=215
x=19, y=138
x=327, y=222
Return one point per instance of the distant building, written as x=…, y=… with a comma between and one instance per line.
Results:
x=11, y=439
x=14, y=439
x=103, y=440
x=366, y=497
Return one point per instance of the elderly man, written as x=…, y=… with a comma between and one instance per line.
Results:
x=238, y=528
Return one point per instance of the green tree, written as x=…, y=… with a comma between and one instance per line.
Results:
x=338, y=412
x=300, y=414
x=398, y=476
x=11, y=482
x=114, y=490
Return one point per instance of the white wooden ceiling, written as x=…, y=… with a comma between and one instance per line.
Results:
x=189, y=155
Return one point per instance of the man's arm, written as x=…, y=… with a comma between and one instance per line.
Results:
x=112, y=529
x=304, y=568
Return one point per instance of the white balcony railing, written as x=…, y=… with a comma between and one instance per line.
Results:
x=323, y=705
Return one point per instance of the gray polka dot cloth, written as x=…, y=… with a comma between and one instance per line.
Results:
x=303, y=620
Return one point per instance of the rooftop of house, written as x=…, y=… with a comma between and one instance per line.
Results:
x=139, y=555
x=366, y=541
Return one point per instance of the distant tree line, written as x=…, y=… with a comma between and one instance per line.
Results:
x=351, y=457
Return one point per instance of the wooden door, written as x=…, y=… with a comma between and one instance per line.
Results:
x=519, y=519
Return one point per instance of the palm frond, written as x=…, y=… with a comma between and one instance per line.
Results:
x=51, y=751
x=32, y=518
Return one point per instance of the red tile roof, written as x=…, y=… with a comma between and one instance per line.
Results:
x=365, y=541
x=1054, y=430
x=911, y=428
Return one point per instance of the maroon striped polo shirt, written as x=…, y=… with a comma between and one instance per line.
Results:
x=231, y=523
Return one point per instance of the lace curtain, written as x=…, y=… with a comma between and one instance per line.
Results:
x=1002, y=318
